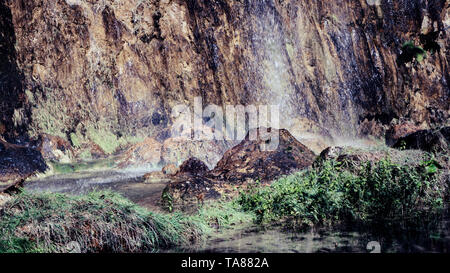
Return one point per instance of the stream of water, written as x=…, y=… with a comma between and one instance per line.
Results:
x=252, y=239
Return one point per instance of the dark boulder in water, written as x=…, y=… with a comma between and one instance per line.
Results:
x=18, y=163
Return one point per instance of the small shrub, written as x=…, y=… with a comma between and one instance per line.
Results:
x=377, y=194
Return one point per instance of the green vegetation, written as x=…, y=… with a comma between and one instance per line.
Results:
x=105, y=222
x=376, y=194
x=64, y=168
x=105, y=139
x=410, y=52
x=54, y=114
x=108, y=141
x=98, y=222
x=223, y=215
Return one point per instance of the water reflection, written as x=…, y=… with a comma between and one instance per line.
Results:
x=275, y=240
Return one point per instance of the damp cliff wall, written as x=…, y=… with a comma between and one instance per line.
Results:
x=83, y=69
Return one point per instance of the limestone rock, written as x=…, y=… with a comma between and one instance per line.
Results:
x=4, y=198
x=70, y=66
x=55, y=149
x=178, y=149
x=398, y=131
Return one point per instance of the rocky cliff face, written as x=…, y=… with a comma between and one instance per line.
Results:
x=88, y=70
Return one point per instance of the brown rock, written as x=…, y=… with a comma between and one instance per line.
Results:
x=96, y=150
x=170, y=169
x=243, y=164
x=144, y=153
x=248, y=161
x=398, y=131
x=371, y=127
x=123, y=65
x=194, y=166
x=55, y=148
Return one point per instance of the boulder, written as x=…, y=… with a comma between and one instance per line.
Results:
x=248, y=161
x=190, y=185
x=4, y=198
x=244, y=164
x=175, y=150
x=55, y=148
x=194, y=166
x=170, y=169
x=18, y=163
x=352, y=157
x=427, y=140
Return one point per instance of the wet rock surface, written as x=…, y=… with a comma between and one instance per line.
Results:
x=18, y=163
x=241, y=166
x=250, y=160
x=193, y=166
x=89, y=67
x=437, y=141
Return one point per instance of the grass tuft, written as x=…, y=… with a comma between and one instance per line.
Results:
x=98, y=222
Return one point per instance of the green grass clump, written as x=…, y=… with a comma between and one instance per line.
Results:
x=377, y=194
x=66, y=168
x=223, y=215
x=98, y=222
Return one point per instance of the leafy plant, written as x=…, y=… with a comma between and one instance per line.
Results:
x=431, y=166
x=410, y=52
x=381, y=193
x=167, y=201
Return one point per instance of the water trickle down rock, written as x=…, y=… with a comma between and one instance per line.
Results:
x=77, y=66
